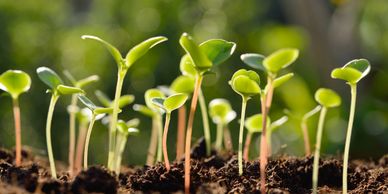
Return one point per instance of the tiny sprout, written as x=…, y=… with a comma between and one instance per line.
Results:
x=221, y=113
x=83, y=116
x=124, y=130
x=16, y=82
x=254, y=124
x=352, y=72
x=123, y=65
x=169, y=104
x=51, y=79
x=124, y=100
x=305, y=130
x=247, y=84
x=327, y=98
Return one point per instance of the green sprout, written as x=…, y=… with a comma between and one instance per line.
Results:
x=272, y=127
x=123, y=65
x=272, y=64
x=95, y=112
x=83, y=116
x=246, y=84
x=16, y=82
x=169, y=104
x=221, y=113
x=124, y=130
x=327, y=99
x=202, y=58
x=352, y=73
x=124, y=100
x=72, y=113
x=254, y=124
x=305, y=128
x=51, y=79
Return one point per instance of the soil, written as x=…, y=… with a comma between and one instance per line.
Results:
x=215, y=174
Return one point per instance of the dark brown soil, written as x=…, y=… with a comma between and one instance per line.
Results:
x=214, y=174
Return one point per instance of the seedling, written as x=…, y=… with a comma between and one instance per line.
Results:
x=72, y=109
x=254, y=124
x=327, y=99
x=55, y=83
x=169, y=104
x=221, y=113
x=305, y=129
x=123, y=65
x=272, y=127
x=246, y=84
x=83, y=116
x=16, y=82
x=272, y=65
x=202, y=58
x=95, y=112
x=124, y=130
x=352, y=73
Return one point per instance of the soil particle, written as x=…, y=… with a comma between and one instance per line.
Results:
x=95, y=180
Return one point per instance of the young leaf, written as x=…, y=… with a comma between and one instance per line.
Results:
x=143, y=109
x=253, y=60
x=125, y=100
x=254, y=123
x=217, y=50
x=65, y=90
x=87, y=102
x=280, y=59
x=15, y=82
x=200, y=60
x=153, y=93
x=221, y=111
x=327, y=97
x=276, y=124
x=187, y=66
x=251, y=74
x=362, y=65
x=113, y=50
x=283, y=79
x=100, y=110
x=246, y=83
x=183, y=84
x=353, y=71
x=122, y=127
x=159, y=102
x=86, y=81
x=49, y=77
x=139, y=50
x=133, y=123
x=174, y=102
x=103, y=98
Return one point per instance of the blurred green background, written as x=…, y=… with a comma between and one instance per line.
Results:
x=328, y=34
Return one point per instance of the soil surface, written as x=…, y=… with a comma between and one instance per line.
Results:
x=215, y=174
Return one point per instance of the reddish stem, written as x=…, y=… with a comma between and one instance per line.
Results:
x=306, y=139
x=80, y=146
x=165, y=132
x=246, y=146
x=16, y=114
x=180, y=143
x=190, y=131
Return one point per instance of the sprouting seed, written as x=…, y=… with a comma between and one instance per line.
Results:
x=125, y=129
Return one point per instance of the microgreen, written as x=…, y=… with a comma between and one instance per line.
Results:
x=247, y=84
x=352, y=73
x=123, y=65
x=72, y=113
x=202, y=57
x=55, y=83
x=169, y=104
x=125, y=129
x=327, y=98
x=305, y=129
x=221, y=113
x=16, y=82
x=254, y=124
x=272, y=64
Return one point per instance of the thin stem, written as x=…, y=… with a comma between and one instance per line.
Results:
x=220, y=131
x=240, y=137
x=53, y=101
x=113, y=122
x=86, y=150
x=190, y=131
x=269, y=141
x=153, y=143
x=205, y=122
x=180, y=140
x=227, y=139
x=165, y=132
x=318, y=149
x=305, y=129
x=353, y=88
x=248, y=140
x=72, y=113
x=159, y=124
x=82, y=130
x=121, y=141
x=18, y=131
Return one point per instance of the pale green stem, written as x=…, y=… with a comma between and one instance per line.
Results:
x=153, y=143
x=53, y=101
x=318, y=149
x=353, y=88
x=113, y=122
x=220, y=131
x=121, y=141
x=165, y=132
x=305, y=128
x=159, y=126
x=86, y=150
x=72, y=113
x=205, y=121
x=240, y=138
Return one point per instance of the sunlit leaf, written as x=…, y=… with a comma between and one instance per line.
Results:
x=125, y=100
x=327, y=97
x=221, y=111
x=15, y=82
x=200, y=60
x=254, y=123
x=133, y=123
x=283, y=79
x=187, y=66
x=141, y=49
x=86, y=81
x=280, y=59
x=183, y=84
x=253, y=60
x=217, y=50
x=87, y=102
x=174, y=101
x=65, y=90
x=158, y=102
x=113, y=50
x=245, y=83
x=153, y=93
x=101, y=110
x=144, y=110
x=49, y=77
x=353, y=71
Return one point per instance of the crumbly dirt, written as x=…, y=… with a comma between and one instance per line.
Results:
x=215, y=174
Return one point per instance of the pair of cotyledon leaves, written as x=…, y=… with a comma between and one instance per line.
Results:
x=150, y=109
x=170, y=103
x=221, y=111
x=254, y=123
x=128, y=128
x=353, y=71
x=15, y=82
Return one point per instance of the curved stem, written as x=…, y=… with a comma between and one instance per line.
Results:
x=180, y=141
x=305, y=129
x=159, y=124
x=153, y=143
x=86, y=150
x=353, y=88
x=227, y=139
x=240, y=137
x=82, y=130
x=165, y=132
x=318, y=149
x=18, y=131
x=205, y=121
x=113, y=122
x=72, y=113
x=190, y=131
x=53, y=101
x=246, y=146
x=220, y=131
